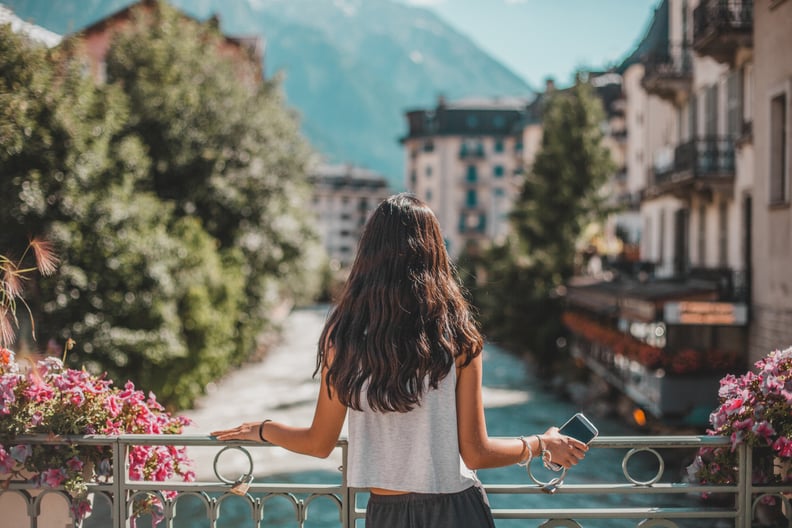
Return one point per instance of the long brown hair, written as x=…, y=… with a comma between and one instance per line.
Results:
x=401, y=319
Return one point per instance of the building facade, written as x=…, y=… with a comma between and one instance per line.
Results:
x=771, y=99
x=343, y=198
x=666, y=338
x=465, y=159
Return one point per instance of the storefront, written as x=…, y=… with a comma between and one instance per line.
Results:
x=664, y=344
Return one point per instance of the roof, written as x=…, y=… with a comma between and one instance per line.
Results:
x=346, y=172
x=252, y=43
x=656, y=38
x=610, y=297
x=31, y=31
x=468, y=117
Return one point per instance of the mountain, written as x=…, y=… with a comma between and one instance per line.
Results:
x=352, y=67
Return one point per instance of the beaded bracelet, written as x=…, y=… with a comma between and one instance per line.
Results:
x=526, y=447
x=261, y=430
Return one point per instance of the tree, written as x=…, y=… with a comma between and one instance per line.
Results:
x=520, y=281
x=173, y=196
x=224, y=150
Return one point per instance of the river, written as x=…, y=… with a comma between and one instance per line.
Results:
x=281, y=388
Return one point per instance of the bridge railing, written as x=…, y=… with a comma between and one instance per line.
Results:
x=667, y=498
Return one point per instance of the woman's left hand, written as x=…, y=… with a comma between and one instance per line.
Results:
x=247, y=431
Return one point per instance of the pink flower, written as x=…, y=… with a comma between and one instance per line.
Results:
x=764, y=430
x=7, y=462
x=77, y=397
x=113, y=405
x=74, y=464
x=744, y=425
x=53, y=477
x=783, y=446
x=38, y=391
x=732, y=406
x=80, y=508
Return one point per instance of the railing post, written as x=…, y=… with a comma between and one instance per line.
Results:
x=119, y=502
x=348, y=508
x=744, y=487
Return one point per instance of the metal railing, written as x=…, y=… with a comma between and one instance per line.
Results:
x=716, y=16
x=738, y=505
x=702, y=157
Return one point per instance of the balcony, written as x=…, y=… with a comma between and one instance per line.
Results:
x=699, y=165
x=669, y=73
x=471, y=152
x=642, y=471
x=721, y=27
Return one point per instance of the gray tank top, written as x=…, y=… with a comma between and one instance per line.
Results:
x=416, y=451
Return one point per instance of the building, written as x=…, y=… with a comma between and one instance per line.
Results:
x=343, y=198
x=465, y=160
x=247, y=52
x=771, y=250
x=666, y=339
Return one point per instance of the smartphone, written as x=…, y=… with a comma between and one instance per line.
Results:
x=580, y=428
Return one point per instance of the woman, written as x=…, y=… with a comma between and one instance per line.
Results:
x=401, y=354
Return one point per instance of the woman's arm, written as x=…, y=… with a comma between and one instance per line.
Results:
x=318, y=440
x=480, y=451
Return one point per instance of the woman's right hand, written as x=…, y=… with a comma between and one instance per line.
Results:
x=564, y=450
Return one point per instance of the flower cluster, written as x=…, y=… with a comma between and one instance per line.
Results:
x=46, y=398
x=684, y=361
x=755, y=410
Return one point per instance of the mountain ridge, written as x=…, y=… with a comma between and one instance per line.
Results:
x=351, y=67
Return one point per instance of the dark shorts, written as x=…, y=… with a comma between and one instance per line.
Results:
x=466, y=509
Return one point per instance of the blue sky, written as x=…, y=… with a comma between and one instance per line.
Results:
x=541, y=38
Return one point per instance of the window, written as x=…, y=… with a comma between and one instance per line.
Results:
x=779, y=155
x=702, y=235
x=498, y=145
x=723, y=234
x=472, y=175
x=711, y=116
x=482, y=223
x=498, y=171
x=693, y=117
x=428, y=146
x=499, y=192
x=734, y=109
x=472, y=198
x=428, y=171
x=428, y=195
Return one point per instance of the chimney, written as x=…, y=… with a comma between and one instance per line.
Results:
x=441, y=101
x=549, y=85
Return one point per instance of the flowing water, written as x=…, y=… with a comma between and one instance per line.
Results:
x=281, y=388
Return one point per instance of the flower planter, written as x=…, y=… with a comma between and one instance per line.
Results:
x=47, y=398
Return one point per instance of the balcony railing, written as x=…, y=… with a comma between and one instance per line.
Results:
x=720, y=27
x=471, y=152
x=708, y=161
x=659, y=498
x=668, y=73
